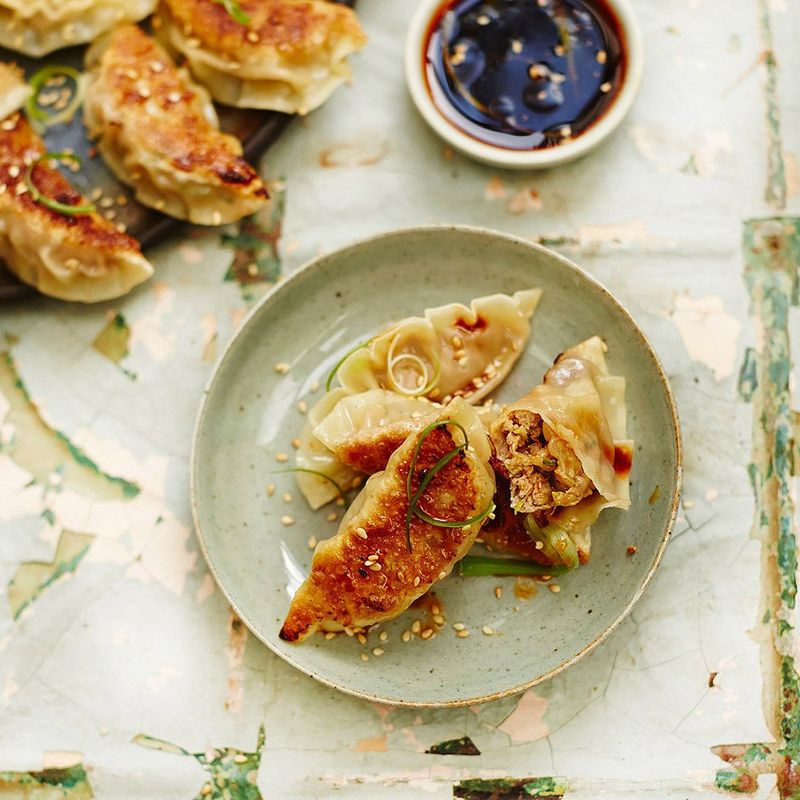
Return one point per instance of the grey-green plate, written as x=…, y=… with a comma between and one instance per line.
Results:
x=249, y=415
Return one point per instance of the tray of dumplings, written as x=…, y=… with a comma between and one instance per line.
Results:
x=120, y=119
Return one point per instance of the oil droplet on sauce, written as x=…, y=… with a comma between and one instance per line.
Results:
x=524, y=74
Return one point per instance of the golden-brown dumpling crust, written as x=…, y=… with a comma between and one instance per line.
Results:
x=82, y=257
x=343, y=591
x=154, y=128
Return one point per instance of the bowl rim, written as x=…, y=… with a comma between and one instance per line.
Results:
x=598, y=132
x=274, y=296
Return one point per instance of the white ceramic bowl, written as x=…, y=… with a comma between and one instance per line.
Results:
x=523, y=159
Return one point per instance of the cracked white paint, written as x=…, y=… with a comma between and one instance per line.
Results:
x=526, y=722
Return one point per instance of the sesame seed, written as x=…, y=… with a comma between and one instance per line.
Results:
x=160, y=204
x=240, y=758
x=486, y=629
x=361, y=533
x=438, y=619
x=340, y=501
x=270, y=489
x=13, y=171
x=361, y=638
x=282, y=458
x=416, y=581
x=457, y=342
x=383, y=636
x=296, y=444
x=565, y=130
x=375, y=567
x=8, y=124
x=330, y=635
x=312, y=542
x=287, y=498
x=462, y=362
x=516, y=46
x=20, y=189
x=206, y=790
x=459, y=626
x=498, y=592
x=406, y=636
x=442, y=575
x=601, y=56
x=72, y=263
x=349, y=631
x=459, y=353
x=378, y=651
x=539, y=545
x=483, y=19
x=287, y=520
x=3, y=188
x=416, y=626
x=554, y=588
x=121, y=227
x=252, y=36
x=174, y=97
x=302, y=406
x=436, y=609
x=364, y=657
x=605, y=87
x=314, y=386
x=193, y=41
x=96, y=194
x=156, y=66
x=462, y=634
x=332, y=517
x=110, y=214
x=427, y=633
x=121, y=200
x=131, y=73
x=144, y=91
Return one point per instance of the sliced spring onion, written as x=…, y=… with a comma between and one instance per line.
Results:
x=480, y=565
x=328, y=478
x=556, y=543
x=423, y=435
x=338, y=364
x=41, y=119
x=235, y=11
x=457, y=523
x=428, y=384
x=48, y=202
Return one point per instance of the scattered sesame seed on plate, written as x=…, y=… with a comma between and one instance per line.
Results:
x=332, y=517
x=281, y=368
x=302, y=406
x=330, y=635
x=270, y=489
x=605, y=87
x=364, y=657
x=383, y=636
x=498, y=592
x=459, y=626
x=438, y=619
x=427, y=633
x=312, y=542
x=282, y=457
x=296, y=444
x=554, y=588
x=486, y=629
x=287, y=520
x=287, y=498
x=406, y=636
x=462, y=634
x=378, y=651
x=416, y=626
x=442, y=575
x=361, y=638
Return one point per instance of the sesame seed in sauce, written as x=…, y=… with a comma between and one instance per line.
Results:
x=361, y=533
x=486, y=630
x=159, y=204
x=282, y=458
x=144, y=91
x=340, y=501
x=270, y=489
x=427, y=633
x=554, y=588
x=96, y=194
x=462, y=634
x=281, y=368
x=193, y=41
x=110, y=214
x=20, y=189
x=601, y=56
x=156, y=66
x=361, y=638
x=3, y=188
x=438, y=619
x=302, y=406
x=605, y=87
x=416, y=626
x=287, y=520
x=121, y=227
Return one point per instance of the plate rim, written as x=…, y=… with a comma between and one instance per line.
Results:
x=314, y=264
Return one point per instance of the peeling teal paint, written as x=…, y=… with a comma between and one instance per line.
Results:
x=748, y=375
x=510, y=788
x=70, y=783
x=455, y=747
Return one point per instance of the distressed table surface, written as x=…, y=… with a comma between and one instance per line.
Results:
x=122, y=671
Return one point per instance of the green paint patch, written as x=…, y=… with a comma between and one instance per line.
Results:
x=256, y=258
x=34, y=577
x=112, y=341
x=748, y=375
x=731, y=780
x=510, y=788
x=455, y=747
x=44, y=451
x=233, y=773
x=68, y=783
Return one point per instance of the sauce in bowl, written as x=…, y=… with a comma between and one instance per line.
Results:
x=524, y=74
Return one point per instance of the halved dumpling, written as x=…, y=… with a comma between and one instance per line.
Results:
x=72, y=257
x=37, y=27
x=290, y=56
x=377, y=564
x=158, y=132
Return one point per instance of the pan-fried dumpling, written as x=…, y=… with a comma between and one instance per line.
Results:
x=158, y=132
x=366, y=573
x=14, y=91
x=37, y=27
x=453, y=351
x=566, y=438
x=71, y=257
x=290, y=56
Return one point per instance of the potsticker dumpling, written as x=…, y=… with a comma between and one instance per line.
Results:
x=72, y=257
x=158, y=132
x=566, y=439
x=14, y=90
x=451, y=351
x=37, y=27
x=290, y=56
x=366, y=572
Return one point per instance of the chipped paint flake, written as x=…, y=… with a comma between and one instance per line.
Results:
x=57, y=783
x=708, y=332
x=34, y=577
x=526, y=722
x=455, y=747
x=371, y=744
x=510, y=788
x=112, y=341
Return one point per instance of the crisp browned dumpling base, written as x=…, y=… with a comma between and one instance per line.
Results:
x=343, y=591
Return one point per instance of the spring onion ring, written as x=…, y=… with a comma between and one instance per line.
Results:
x=328, y=478
x=556, y=543
x=41, y=119
x=428, y=384
x=48, y=202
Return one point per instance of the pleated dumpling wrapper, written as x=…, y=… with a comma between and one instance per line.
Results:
x=37, y=27
x=453, y=350
x=158, y=132
x=68, y=255
x=289, y=55
x=14, y=91
x=400, y=536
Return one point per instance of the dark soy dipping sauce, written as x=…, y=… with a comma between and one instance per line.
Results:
x=524, y=74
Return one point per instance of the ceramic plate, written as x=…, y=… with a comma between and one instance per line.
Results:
x=250, y=414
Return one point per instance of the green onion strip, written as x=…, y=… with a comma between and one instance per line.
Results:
x=429, y=475
x=235, y=11
x=48, y=202
x=328, y=478
x=480, y=565
x=41, y=119
x=338, y=364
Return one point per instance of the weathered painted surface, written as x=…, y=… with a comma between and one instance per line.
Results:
x=136, y=638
